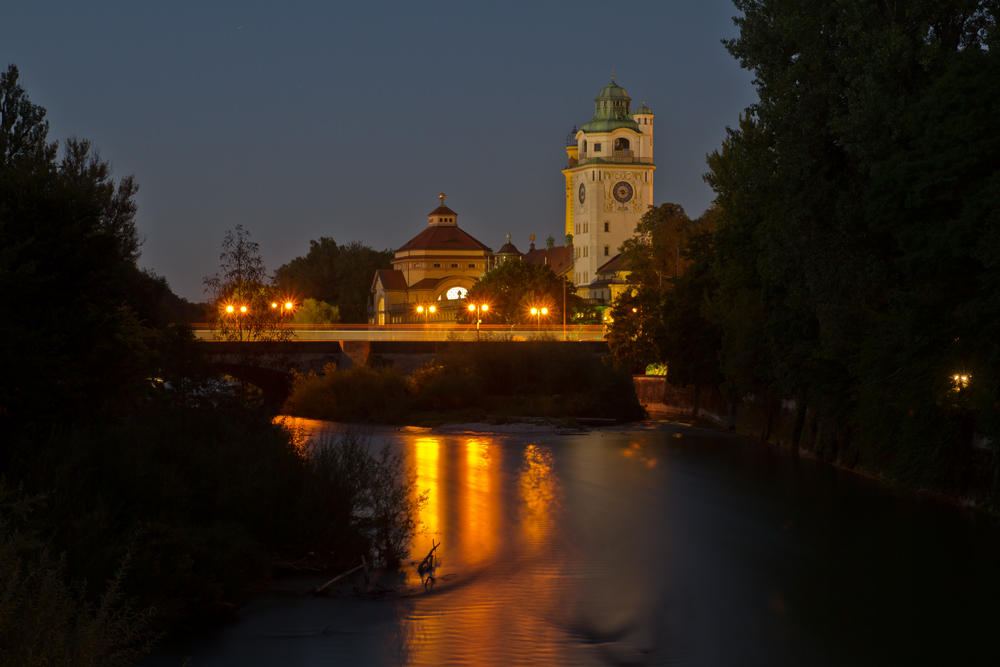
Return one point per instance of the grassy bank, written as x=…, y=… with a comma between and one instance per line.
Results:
x=472, y=381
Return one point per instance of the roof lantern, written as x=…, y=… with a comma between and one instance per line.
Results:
x=442, y=216
x=611, y=110
x=571, y=137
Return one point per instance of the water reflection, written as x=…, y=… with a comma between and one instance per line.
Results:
x=426, y=453
x=628, y=548
x=537, y=485
x=481, y=508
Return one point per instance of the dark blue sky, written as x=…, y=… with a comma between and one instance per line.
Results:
x=347, y=120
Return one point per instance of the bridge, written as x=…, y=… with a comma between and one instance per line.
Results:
x=268, y=365
x=429, y=332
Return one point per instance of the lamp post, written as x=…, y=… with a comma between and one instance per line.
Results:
x=427, y=311
x=285, y=309
x=538, y=312
x=478, y=309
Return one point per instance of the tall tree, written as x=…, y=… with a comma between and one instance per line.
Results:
x=854, y=210
x=74, y=346
x=513, y=288
x=242, y=295
x=654, y=251
x=339, y=275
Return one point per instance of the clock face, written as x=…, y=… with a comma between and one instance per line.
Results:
x=583, y=192
x=622, y=192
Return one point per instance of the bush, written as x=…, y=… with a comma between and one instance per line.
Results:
x=46, y=621
x=357, y=394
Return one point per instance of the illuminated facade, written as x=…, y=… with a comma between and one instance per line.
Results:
x=609, y=183
x=436, y=267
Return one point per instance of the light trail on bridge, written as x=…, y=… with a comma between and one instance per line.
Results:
x=427, y=332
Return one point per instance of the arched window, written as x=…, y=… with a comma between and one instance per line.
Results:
x=622, y=144
x=456, y=293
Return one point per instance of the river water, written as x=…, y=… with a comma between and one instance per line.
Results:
x=656, y=544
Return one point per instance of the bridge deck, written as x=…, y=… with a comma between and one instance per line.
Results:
x=429, y=332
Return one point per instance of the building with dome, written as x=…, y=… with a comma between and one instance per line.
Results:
x=437, y=267
x=609, y=182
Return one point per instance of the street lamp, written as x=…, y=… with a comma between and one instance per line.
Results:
x=427, y=312
x=478, y=310
x=538, y=312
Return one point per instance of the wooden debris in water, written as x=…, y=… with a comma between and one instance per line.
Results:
x=324, y=587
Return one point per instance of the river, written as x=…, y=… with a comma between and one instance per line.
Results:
x=653, y=544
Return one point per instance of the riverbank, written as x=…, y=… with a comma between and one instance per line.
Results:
x=974, y=478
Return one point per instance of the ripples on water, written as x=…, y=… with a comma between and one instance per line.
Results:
x=658, y=545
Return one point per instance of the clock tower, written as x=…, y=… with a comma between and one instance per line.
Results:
x=609, y=181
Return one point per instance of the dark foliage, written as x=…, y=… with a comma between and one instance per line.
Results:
x=339, y=275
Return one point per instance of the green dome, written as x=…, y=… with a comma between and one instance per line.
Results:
x=611, y=110
x=612, y=91
x=643, y=109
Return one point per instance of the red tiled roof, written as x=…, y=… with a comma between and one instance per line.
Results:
x=426, y=283
x=615, y=264
x=442, y=210
x=557, y=258
x=391, y=278
x=443, y=238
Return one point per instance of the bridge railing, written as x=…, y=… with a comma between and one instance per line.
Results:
x=430, y=332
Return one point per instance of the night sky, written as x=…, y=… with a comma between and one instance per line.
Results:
x=347, y=120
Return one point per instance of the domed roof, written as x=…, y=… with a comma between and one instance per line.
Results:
x=643, y=109
x=611, y=110
x=571, y=137
x=612, y=91
x=508, y=248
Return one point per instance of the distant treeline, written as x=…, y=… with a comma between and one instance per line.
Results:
x=853, y=257
x=339, y=275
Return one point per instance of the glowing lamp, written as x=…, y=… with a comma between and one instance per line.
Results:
x=288, y=306
x=485, y=307
x=534, y=311
x=471, y=307
x=420, y=309
x=243, y=309
x=432, y=309
x=274, y=305
x=229, y=309
x=545, y=311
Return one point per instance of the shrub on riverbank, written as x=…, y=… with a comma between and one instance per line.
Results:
x=507, y=378
x=357, y=394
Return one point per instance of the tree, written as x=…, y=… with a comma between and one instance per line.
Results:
x=513, y=288
x=242, y=295
x=76, y=345
x=316, y=312
x=654, y=251
x=690, y=338
x=241, y=301
x=339, y=275
x=856, y=208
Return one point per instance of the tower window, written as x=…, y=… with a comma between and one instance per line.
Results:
x=607, y=251
x=597, y=148
x=607, y=228
x=437, y=266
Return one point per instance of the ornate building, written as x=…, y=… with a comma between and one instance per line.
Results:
x=609, y=183
x=436, y=267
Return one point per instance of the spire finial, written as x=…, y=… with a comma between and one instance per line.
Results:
x=441, y=197
x=612, y=73
x=508, y=238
